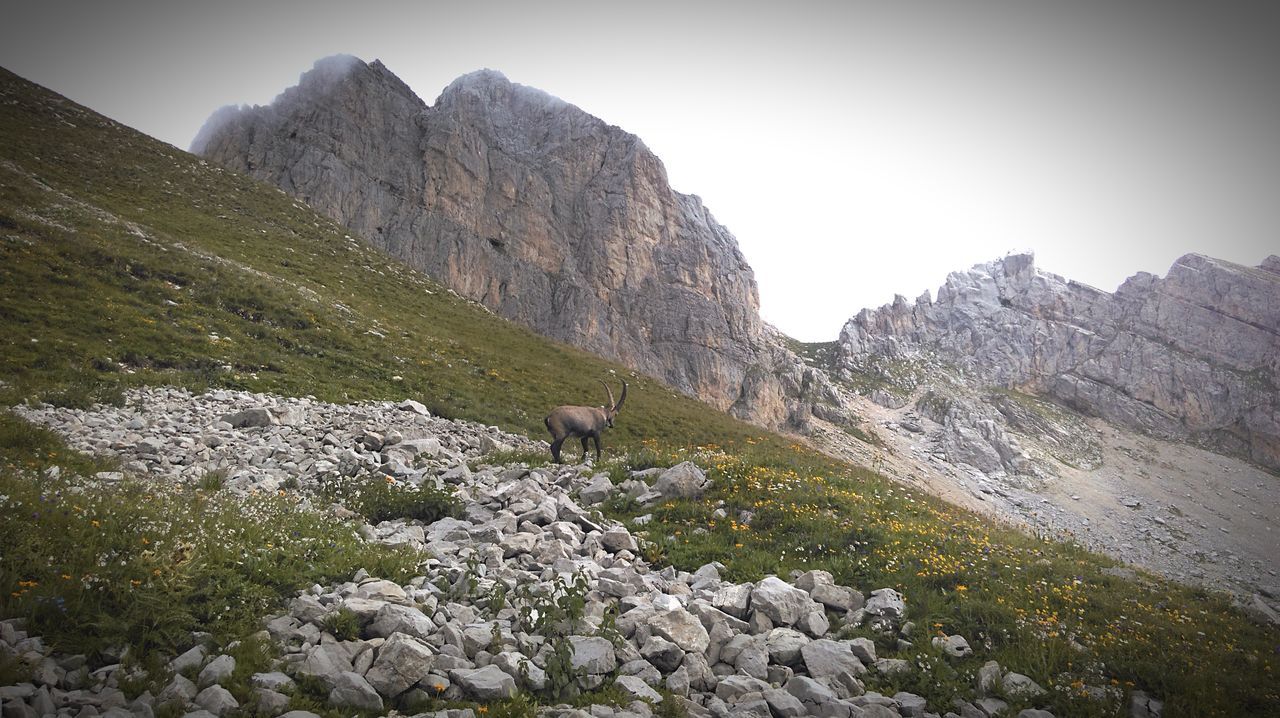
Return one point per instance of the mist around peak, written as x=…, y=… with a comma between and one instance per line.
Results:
x=220, y=118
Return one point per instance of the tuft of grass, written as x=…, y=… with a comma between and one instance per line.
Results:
x=342, y=624
x=212, y=480
x=381, y=498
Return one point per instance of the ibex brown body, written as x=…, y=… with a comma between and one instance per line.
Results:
x=583, y=421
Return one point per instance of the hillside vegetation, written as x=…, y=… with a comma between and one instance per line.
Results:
x=125, y=262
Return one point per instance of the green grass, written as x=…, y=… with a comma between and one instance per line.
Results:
x=129, y=262
x=378, y=498
x=95, y=564
x=819, y=355
x=126, y=262
x=1022, y=601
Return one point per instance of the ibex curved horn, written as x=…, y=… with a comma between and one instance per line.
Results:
x=618, y=407
x=610, y=391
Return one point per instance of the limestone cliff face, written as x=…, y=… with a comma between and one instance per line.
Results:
x=1194, y=355
x=527, y=204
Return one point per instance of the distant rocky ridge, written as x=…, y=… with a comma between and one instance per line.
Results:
x=1191, y=356
x=543, y=213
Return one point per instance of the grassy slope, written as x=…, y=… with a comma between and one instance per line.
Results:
x=121, y=251
x=125, y=261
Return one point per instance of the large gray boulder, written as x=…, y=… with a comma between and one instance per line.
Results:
x=809, y=691
x=401, y=662
x=593, y=655
x=681, y=628
x=327, y=660
x=734, y=599
x=887, y=603
x=393, y=618
x=217, y=671
x=251, y=418
x=217, y=700
x=663, y=654
x=682, y=481
x=638, y=688
x=837, y=598
x=731, y=688
x=352, y=692
x=784, y=646
x=824, y=658
x=484, y=684
x=783, y=603
x=520, y=668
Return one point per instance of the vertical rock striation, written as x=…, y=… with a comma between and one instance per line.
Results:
x=1194, y=355
x=543, y=213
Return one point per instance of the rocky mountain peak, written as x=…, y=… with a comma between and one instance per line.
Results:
x=487, y=83
x=1194, y=355
x=347, y=74
x=527, y=204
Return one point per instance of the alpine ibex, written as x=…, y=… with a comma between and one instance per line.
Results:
x=584, y=421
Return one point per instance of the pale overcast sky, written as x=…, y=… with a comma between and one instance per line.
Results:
x=856, y=149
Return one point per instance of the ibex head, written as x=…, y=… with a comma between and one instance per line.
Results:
x=583, y=421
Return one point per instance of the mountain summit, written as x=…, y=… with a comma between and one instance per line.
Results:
x=543, y=213
x=1191, y=356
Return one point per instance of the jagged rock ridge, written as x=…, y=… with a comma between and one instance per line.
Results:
x=540, y=211
x=1195, y=355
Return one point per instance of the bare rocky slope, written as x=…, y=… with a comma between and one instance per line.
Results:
x=1192, y=356
x=1142, y=424
x=543, y=213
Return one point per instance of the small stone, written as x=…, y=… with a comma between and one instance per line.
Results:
x=401, y=662
x=783, y=603
x=489, y=683
x=218, y=671
x=597, y=491
x=191, y=660
x=250, y=418
x=1017, y=685
x=217, y=700
x=783, y=704
x=638, y=688
x=271, y=703
x=682, y=481
x=888, y=603
x=351, y=690
x=953, y=646
x=681, y=628
x=593, y=655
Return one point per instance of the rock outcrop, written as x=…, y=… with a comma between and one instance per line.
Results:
x=1191, y=356
x=543, y=213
